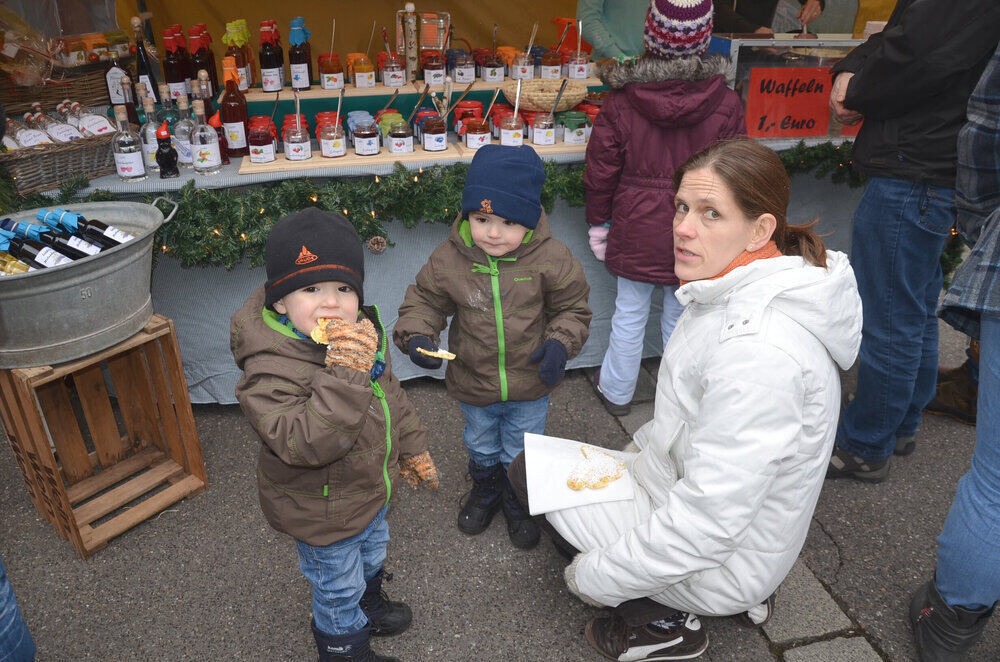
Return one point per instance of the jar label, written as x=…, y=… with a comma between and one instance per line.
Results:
x=270, y=79
x=364, y=79
x=523, y=72
x=298, y=151
x=244, y=82
x=207, y=156
x=512, y=137
x=540, y=136
x=177, y=89
x=493, y=74
x=130, y=164
x=476, y=140
x=579, y=70
x=551, y=71
x=96, y=124
x=434, y=77
x=366, y=146
x=51, y=258
x=465, y=74
x=183, y=148
x=300, y=76
x=576, y=136
x=435, y=142
x=262, y=153
x=393, y=77
x=332, y=81
x=114, y=79
x=401, y=145
x=333, y=147
x=236, y=134
x=81, y=245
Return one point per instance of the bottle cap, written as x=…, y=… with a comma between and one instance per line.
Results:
x=163, y=131
x=215, y=120
x=135, y=22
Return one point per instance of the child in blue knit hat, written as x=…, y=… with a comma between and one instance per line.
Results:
x=518, y=302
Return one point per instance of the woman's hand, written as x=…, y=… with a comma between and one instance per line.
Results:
x=569, y=574
x=810, y=11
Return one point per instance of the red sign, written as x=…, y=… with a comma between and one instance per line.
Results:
x=788, y=102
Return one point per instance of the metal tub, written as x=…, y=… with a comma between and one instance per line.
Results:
x=63, y=313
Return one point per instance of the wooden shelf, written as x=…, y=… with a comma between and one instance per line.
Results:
x=542, y=150
x=315, y=92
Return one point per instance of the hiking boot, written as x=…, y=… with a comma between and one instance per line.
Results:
x=679, y=637
x=943, y=633
x=610, y=407
x=758, y=615
x=844, y=465
x=523, y=531
x=387, y=618
x=350, y=647
x=956, y=397
x=482, y=501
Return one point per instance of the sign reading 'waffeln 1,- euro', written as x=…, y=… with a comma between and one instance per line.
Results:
x=788, y=102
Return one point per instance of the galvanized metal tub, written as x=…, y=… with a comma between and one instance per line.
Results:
x=62, y=313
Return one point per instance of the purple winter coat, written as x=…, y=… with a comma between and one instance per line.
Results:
x=657, y=114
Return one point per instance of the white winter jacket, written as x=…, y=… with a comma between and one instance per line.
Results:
x=747, y=402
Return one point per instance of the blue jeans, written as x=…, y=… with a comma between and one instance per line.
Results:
x=900, y=229
x=495, y=433
x=968, y=567
x=338, y=573
x=620, y=368
x=16, y=644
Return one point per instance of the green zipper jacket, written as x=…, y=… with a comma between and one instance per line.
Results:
x=504, y=309
x=331, y=439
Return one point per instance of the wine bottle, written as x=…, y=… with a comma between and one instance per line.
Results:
x=202, y=56
x=233, y=107
x=127, y=148
x=89, y=228
x=72, y=247
x=30, y=252
x=144, y=62
x=113, y=79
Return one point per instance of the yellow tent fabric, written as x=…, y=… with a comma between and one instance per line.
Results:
x=872, y=10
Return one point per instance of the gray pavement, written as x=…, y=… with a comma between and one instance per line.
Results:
x=209, y=580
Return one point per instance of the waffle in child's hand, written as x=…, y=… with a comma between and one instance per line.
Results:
x=319, y=333
x=597, y=469
x=437, y=354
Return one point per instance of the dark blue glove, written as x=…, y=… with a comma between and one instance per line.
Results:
x=422, y=360
x=552, y=355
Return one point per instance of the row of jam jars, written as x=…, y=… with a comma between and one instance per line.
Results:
x=262, y=137
x=331, y=72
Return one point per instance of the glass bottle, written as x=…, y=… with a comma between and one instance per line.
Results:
x=202, y=56
x=11, y=266
x=72, y=247
x=299, y=54
x=331, y=72
x=89, y=123
x=204, y=87
x=233, y=107
x=148, y=134
x=233, y=40
x=183, y=54
x=364, y=72
x=93, y=244
x=113, y=79
x=58, y=131
x=144, y=64
x=205, y=150
x=167, y=111
x=272, y=59
x=92, y=230
x=464, y=69
x=215, y=121
x=31, y=252
x=182, y=134
x=175, y=71
x=129, y=105
x=252, y=75
x=25, y=136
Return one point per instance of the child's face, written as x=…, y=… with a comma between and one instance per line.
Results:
x=494, y=234
x=330, y=298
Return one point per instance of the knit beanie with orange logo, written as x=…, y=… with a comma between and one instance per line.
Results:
x=312, y=246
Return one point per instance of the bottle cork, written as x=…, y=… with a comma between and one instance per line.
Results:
x=121, y=114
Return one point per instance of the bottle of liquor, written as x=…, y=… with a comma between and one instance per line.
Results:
x=93, y=230
x=175, y=68
x=25, y=136
x=234, y=42
x=205, y=150
x=253, y=76
x=31, y=253
x=202, y=56
x=52, y=222
x=272, y=59
x=182, y=134
x=148, y=134
x=233, y=107
x=129, y=105
x=91, y=124
x=204, y=92
x=145, y=65
x=127, y=147
x=167, y=110
x=299, y=54
x=59, y=131
x=113, y=78
x=44, y=236
x=215, y=121
x=9, y=264
x=185, y=56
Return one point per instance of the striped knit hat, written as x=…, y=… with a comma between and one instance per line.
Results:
x=676, y=28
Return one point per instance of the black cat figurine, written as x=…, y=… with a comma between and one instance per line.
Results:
x=166, y=155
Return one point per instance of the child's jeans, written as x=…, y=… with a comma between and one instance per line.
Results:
x=495, y=433
x=16, y=644
x=620, y=368
x=338, y=573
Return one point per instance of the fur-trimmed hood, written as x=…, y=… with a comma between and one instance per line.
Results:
x=616, y=74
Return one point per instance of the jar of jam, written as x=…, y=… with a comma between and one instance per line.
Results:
x=464, y=69
x=364, y=72
x=523, y=68
x=497, y=116
x=578, y=66
x=512, y=131
x=434, y=70
x=418, y=121
x=477, y=133
x=507, y=54
x=467, y=109
x=393, y=72
x=332, y=142
x=297, y=144
x=543, y=132
x=479, y=56
x=366, y=139
x=400, y=138
x=551, y=66
x=493, y=67
x=262, y=149
x=574, y=127
x=331, y=73
x=434, y=134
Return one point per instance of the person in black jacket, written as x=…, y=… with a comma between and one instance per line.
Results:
x=747, y=16
x=910, y=84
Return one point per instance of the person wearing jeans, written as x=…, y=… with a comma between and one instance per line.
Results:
x=16, y=644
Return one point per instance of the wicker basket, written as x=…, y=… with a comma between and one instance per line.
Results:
x=47, y=167
x=539, y=94
x=84, y=84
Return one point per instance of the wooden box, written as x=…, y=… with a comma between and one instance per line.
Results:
x=95, y=465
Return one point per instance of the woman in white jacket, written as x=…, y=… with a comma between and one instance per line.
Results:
x=729, y=470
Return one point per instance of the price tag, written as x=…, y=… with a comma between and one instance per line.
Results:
x=788, y=102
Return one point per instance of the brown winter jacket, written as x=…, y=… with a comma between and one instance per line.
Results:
x=504, y=309
x=326, y=464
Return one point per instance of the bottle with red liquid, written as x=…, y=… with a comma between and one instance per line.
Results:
x=175, y=69
x=202, y=56
x=185, y=56
x=233, y=108
x=272, y=59
x=216, y=123
x=233, y=41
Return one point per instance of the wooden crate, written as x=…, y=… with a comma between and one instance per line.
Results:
x=85, y=455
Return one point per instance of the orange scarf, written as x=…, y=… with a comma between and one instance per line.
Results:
x=768, y=250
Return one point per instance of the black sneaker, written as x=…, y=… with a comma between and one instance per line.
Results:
x=610, y=407
x=844, y=465
x=678, y=638
x=757, y=616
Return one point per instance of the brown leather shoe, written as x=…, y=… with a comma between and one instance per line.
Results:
x=956, y=397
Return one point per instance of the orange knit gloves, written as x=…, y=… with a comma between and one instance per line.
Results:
x=419, y=469
x=351, y=345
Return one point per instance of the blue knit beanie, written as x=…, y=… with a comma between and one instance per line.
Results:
x=506, y=181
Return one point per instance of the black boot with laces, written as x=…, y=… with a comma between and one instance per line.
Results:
x=387, y=618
